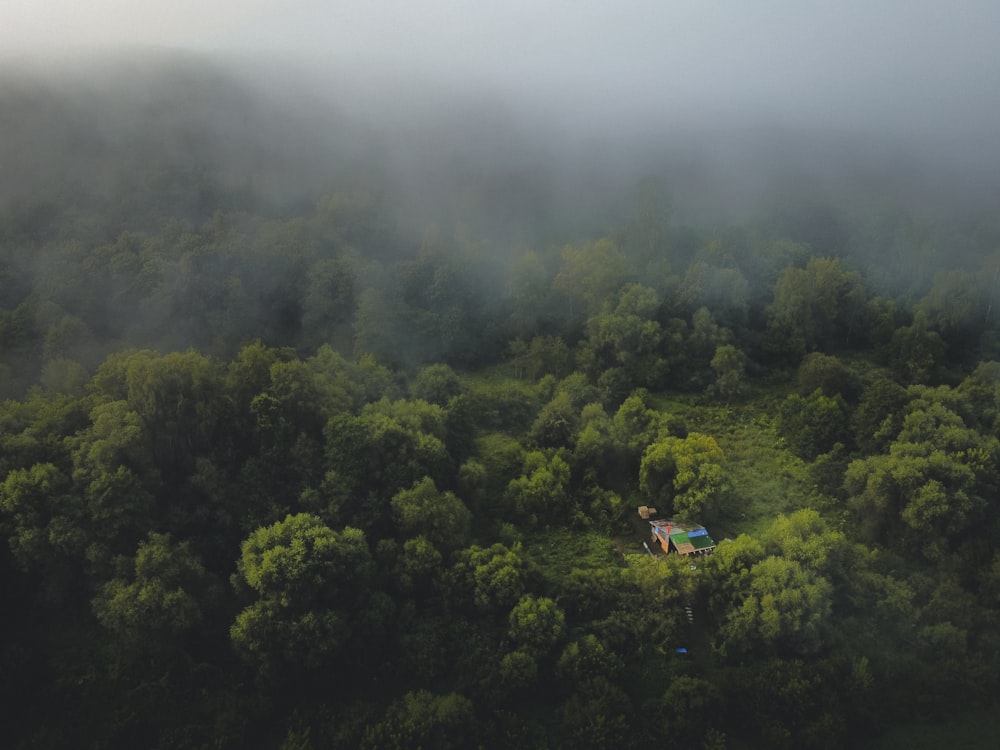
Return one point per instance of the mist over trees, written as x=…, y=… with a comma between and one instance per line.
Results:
x=329, y=402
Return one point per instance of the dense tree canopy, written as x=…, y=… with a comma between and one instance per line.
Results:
x=320, y=473
x=684, y=474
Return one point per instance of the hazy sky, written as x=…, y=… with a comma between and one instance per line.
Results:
x=795, y=46
x=908, y=67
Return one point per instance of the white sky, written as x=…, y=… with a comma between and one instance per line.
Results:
x=932, y=63
x=755, y=35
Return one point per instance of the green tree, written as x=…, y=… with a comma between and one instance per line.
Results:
x=328, y=301
x=684, y=474
x=729, y=366
x=436, y=384
x=980, y=397
x=422, y=719
x=782, y=606
x=915, y=351
x=635, y=425
x=159, y=601
x=493, y=578
x=543, y=355
x=723, y=293
x=805, y=537
x=177, y=400
x=819, y=306
x=688, y=707
x=440, y=517
x=628, y=339
x=826, y=373
x=70, y=338
x=376, y=326
x=590, y=274
x=419, y=567
x=61, y=375
x=114, y=467
x=527, y=290
x=541, y=493
x=594, y=451
x=502, y=458
x=47, y=520
x=518, y=670
x=596, y=716
x=813, y=424
x=878, y=417
x=507, y=407
x=387, y=448
x=556, y=423
x=309, y=583
x=935, y=475
x=729, y=569
x=956, y=307
x=587, y=658
x=657, y=592
x=536, y=625
x=288, y=418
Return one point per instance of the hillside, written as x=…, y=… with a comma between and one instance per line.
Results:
x=303, y=451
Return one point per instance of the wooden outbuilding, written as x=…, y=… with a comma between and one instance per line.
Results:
x=682, y=537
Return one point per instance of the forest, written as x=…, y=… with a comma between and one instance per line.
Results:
x=305, y=444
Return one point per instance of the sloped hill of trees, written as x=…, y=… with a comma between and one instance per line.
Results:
x=288, y=474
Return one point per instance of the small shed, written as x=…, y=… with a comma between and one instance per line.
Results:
x=682, y=537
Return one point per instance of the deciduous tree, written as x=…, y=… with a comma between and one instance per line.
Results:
x=536, y=625
x=781, y=607
x=309, y=584
x=684, y=474
x=440, y=517
x=729, y=366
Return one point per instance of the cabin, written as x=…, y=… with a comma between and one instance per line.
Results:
x=682, y=538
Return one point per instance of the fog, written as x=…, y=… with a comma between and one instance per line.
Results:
x=560, y=106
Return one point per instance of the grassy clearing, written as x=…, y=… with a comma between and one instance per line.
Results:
x=499, y=374
x=559, y=551
x=766, y=478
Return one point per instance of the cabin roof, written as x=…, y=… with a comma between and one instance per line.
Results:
x=685, y=537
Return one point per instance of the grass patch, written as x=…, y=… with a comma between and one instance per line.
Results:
x=766, y=478
x=499, y=374
x=557, y=552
